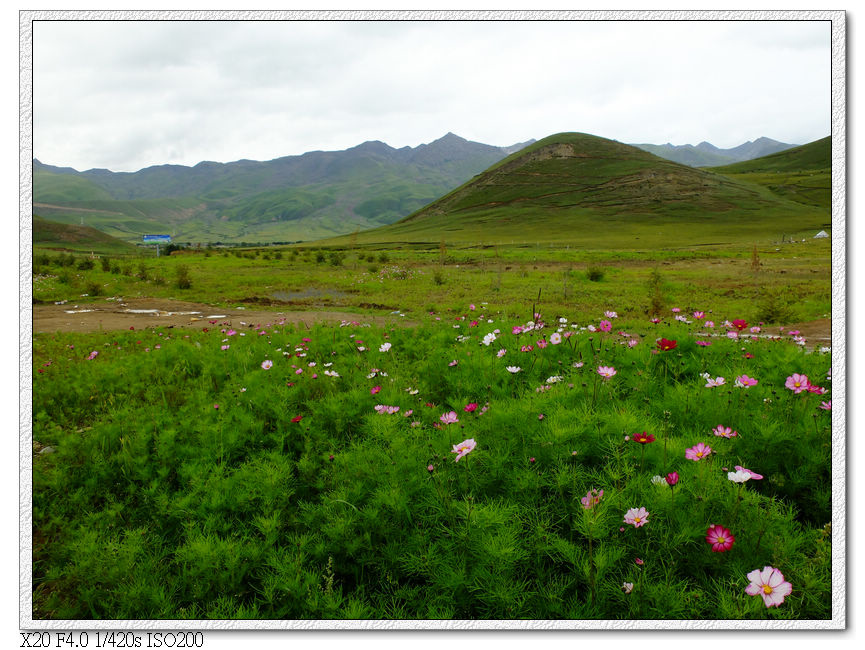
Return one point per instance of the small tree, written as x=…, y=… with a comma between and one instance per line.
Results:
x=183, y=279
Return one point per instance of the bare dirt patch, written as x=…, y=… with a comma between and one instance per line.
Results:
x=141, y=313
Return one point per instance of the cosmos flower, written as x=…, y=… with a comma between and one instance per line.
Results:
x=744, y=381
x=637, y=517
x=555, y=338
x=770, y=584
x=643, y=438
x=384, y=347
x=666, y=344
x=672, y=478
x=605, y=326
x=753, y=475
x=267, y=364
x=463, y=448
x=720, y=538
x=606, y=371
x=449, y=418
x=513, y=369
x=797, y=383
x=592, y=498
x=698, y=452
x=724, y=432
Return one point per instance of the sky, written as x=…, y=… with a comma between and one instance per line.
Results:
x=124, y=95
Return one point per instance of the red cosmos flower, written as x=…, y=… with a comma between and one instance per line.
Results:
x=739, y=324
x=643, y=438
x=666, y=344
x=297, y=418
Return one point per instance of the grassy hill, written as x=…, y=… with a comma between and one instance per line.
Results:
x=801, y=174
x=60, y=236
x=590, y=192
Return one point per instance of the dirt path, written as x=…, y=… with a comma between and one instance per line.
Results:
x=148, y=312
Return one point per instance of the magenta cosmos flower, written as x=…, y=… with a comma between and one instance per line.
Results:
x=770, y=584
x=463, y=448
x=643, y=438
x=666, y=344
x=720, y=538
x=672, y=478
x=605, y=326
x=637, y=517
x=592, y=498
x=744, y=381
x=606, y=371
x=797, y=383
x=698, y=452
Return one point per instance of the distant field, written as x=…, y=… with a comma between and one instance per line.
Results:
x=789, y=282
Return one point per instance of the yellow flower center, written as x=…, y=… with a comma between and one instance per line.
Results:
x=721, y=540
x=767, y=589
x=636, y=520
x=699, y=454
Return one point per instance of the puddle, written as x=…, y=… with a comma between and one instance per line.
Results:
x=307, y=293
x=78, y=311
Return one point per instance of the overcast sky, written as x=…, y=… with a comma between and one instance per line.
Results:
x=127, y=95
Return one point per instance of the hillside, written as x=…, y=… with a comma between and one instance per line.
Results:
x=594, y=192
x=801, y=174
x=61, y=236
x=316, y=194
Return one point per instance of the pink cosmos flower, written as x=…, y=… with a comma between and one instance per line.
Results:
x=374, y=390
x=517, y=329
x=675, y=310
x=720, y=538
x=770, y=584
x=698, y=315
x=542, y=343
x=605, y=326
x=384, y=347
x=753, y=475
x=430, y=467
x=714, y=383
x=698, y=452
x=724, y=432
x=632, y=343
x=826, y=406
x=656, y=320
x=449, y=418
x=704, y=343
x=672, y=478
x=513, y=369
x=710, y=323
x=732, y=334
x=606, y=371
x=797, y=383
x=501, y=353
x=453, y=363
x=92, y=355
x=817, y=390
x=627, y=587
x=637, y=517
x=638, y=561
x=744, y=381
x=611, y=314
x=555, y=338
x=592, y=498
x=463, y=448
x=267, y=364
x=225, y=347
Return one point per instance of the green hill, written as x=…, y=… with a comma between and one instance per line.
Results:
x=592, y=192
x=60, y=236
x=801, y=174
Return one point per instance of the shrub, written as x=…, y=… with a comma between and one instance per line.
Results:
x=595, y=273
x=183, y=281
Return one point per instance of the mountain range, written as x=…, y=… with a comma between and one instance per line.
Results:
x=294, y=198
x=706, y=154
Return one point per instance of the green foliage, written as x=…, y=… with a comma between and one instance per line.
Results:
x=187, y=481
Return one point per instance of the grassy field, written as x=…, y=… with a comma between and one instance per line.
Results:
x=773, y=284
x=476, y=465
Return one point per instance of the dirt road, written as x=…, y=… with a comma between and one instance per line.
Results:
x=141, y=313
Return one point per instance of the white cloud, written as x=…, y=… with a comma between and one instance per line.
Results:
x=132, y=94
